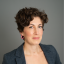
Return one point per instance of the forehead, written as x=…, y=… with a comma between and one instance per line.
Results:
x=36, y=20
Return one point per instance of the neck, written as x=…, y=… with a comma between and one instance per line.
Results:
x=31, y=49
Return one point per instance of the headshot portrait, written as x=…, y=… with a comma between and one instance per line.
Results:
x=32, y=32
x=30, y=23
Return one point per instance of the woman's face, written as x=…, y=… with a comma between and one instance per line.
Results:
x=33, y=33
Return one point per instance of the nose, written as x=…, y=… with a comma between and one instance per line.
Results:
x=36, y=31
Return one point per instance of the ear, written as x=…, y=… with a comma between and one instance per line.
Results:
x=22, y=33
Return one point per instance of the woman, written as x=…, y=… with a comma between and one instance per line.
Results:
x=30, y=23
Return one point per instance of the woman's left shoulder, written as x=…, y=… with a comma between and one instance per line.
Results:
x=48, y=47
x=51, y=50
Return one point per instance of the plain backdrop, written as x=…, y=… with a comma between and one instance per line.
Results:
x=63, y=31
x=10, y=37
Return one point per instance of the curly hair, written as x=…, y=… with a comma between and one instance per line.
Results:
x=25, y=15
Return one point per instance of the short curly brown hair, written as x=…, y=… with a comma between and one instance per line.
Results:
x=25, y=15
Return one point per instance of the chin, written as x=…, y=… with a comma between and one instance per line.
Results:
x=36, y=43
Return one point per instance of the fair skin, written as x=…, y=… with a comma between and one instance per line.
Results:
x=32, y=50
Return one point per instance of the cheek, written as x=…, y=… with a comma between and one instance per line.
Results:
x=41, y=32
x=28, y=33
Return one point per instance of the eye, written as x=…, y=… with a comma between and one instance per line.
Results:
x=40, y=26
x=31, y=27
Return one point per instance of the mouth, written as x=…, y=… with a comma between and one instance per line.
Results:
x=35, y=37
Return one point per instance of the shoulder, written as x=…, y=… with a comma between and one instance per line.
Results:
x=8, y=57
x=11, y=56
x=51, y=53
x=49, y=48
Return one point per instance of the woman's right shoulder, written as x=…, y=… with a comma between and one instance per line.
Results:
x=13, y=52
x=10, y=54
x=9, y=58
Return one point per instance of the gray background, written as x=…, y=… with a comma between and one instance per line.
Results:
x=63, y=31
x=10, y=37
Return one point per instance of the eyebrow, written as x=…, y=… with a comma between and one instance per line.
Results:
x=33, y=24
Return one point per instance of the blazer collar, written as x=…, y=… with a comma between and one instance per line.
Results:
x=47, y=53
x=20, y=58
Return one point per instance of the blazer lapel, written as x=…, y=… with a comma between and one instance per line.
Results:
x=47, y=53
x=20, y=58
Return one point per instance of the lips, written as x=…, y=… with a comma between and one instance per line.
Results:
x=35, y=37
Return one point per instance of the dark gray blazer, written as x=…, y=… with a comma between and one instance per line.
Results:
x=17, y=56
